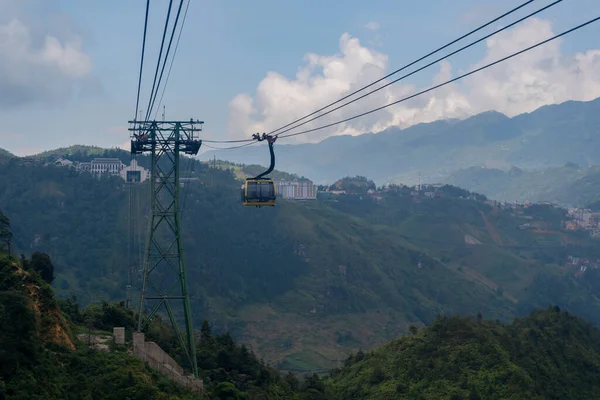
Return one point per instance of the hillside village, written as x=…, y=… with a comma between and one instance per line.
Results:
x=576, y=219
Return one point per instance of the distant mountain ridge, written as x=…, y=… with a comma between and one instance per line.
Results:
x=5, y=153
x=569, y=185
x=547, y=137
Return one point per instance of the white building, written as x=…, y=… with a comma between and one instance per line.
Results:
x=134, y=173
x=296, y=190
x=63, y=162
x=83, y=166
x=98, y=166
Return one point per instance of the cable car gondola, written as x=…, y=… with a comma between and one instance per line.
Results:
x=260, y=191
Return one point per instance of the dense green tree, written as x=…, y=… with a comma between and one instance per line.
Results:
x=5, y=231
x=35, y=365
x=41, y=263
x=546, y=355
x=18, y=348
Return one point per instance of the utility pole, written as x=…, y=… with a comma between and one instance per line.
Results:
x=164, y=276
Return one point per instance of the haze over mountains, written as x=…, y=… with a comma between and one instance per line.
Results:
x=550, y=136
x=570, y=185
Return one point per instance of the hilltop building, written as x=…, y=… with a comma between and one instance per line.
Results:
x=97, y=166
x=134, y=173
x=62, y=162
x=296, y=190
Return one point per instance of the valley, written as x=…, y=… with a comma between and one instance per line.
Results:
x=300, y=202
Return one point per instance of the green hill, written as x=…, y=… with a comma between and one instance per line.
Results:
x=41, y=357
x=569, y=185
x=549, y=354
x=78, y=150
x=87, y=153
x=295, y=281
x=5, y=154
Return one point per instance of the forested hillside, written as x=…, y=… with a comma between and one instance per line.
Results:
x=5, y=154
x=304, y=283
x=40, y=357
x=547, y=355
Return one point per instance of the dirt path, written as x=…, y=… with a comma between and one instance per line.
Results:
x=491, y=229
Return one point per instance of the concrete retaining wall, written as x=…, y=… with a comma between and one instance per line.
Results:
x=157, y=359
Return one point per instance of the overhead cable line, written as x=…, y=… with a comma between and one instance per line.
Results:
x=447, y=82
x=385, y=77
x=403, y=77
x=228, y=148
x=137, y=102
x=173, y=58
x=228, y=141
x=166, y=57
x=131, y=240
x=423, y=67
x=406, y=66
x=148, y=110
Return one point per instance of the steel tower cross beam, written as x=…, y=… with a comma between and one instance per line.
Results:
x=164, y=276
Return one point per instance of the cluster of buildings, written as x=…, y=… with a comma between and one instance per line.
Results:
x=581, y=263
x=304, y=189
x=287, y=189
x=584, y=219
x=132, y=173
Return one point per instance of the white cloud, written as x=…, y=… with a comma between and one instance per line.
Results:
x=522, y=84
x=539, y=77
x=38, y=67
x=372, y=26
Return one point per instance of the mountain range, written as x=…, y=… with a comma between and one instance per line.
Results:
x=569, y=185
x=550, y=136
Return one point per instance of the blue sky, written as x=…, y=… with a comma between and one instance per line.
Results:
x=227, y=48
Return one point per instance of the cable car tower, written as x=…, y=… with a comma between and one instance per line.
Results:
x=164, y=276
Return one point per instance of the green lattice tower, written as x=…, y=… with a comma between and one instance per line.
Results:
x=164, y=278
